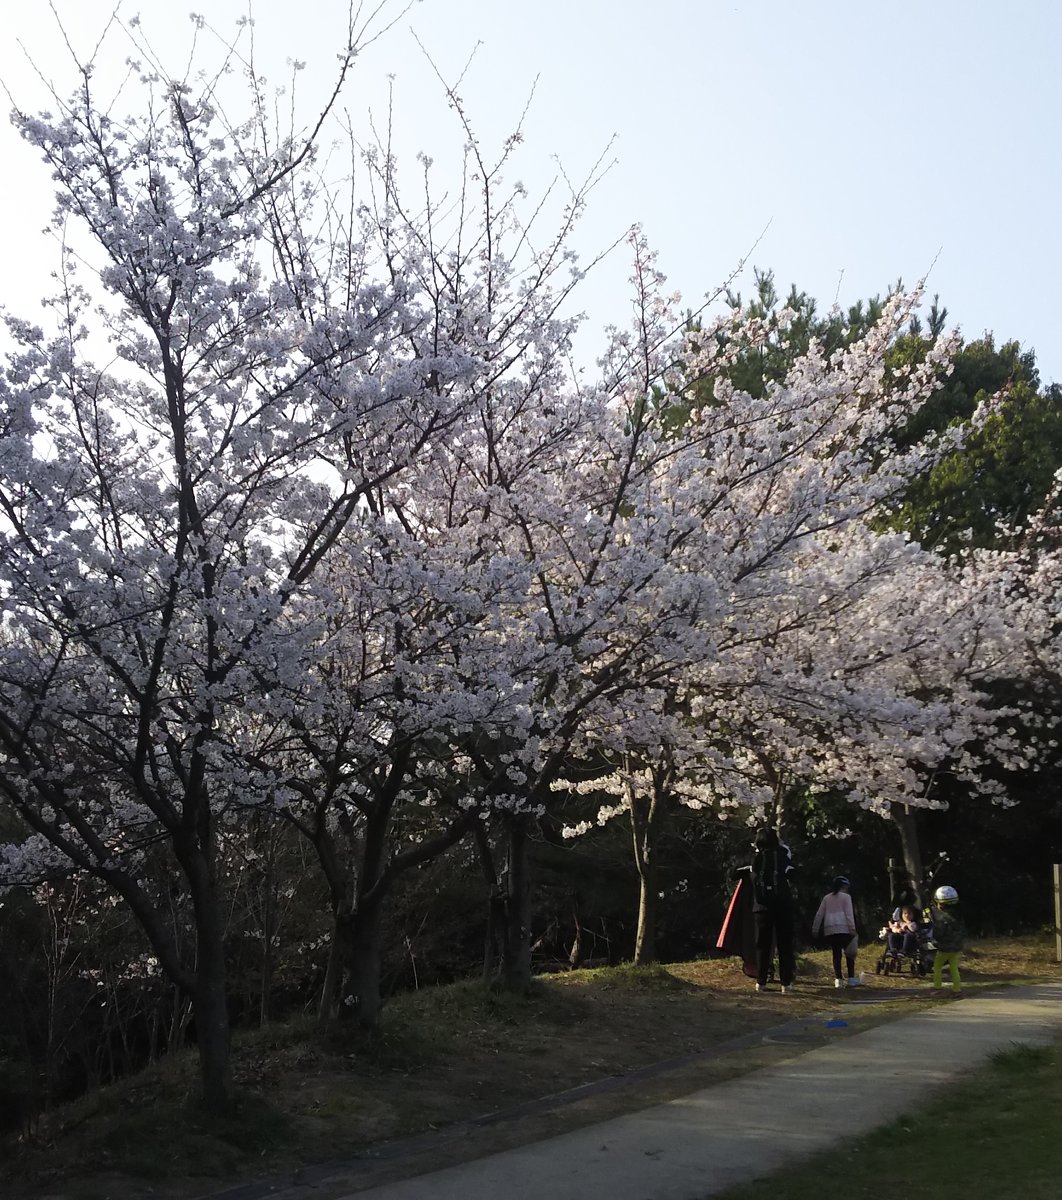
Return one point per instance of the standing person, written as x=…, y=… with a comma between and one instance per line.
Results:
x=772, y=908
x=835, y=920
x=949, y=936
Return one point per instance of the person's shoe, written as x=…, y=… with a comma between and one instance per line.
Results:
x=855, y=980
x=761, y=987
x=786, y=989
x=838, y=983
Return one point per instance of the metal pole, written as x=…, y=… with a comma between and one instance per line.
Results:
x=1057, y=870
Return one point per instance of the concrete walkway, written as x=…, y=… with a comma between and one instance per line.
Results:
x=752, y=1126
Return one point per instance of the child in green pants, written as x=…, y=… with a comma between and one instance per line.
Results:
x=949, y=935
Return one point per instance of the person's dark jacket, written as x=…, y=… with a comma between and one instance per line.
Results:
x=949, y=929
x=771, y=867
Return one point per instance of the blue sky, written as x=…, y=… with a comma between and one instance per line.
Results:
x=864, y=141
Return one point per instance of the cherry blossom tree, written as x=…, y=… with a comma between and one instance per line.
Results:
x=417, y=660
x=276, y=361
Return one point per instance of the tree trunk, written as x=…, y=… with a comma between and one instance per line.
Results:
x=641, y=809
x=326, y=1010
x=360, y=951
x=358, y=898
x=209, y=1004
x=647, y=819
x=645, y=939
x=208, y=990
x=516, y=948
x=494, y=937
x=268, y=923
x=907, y=826
x=575, y=954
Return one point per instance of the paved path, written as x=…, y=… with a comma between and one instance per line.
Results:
x=752, y=1126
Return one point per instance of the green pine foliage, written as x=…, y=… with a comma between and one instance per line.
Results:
x=1005, y=467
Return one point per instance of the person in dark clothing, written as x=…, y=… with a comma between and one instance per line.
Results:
x=772, y=907
x=949, y=936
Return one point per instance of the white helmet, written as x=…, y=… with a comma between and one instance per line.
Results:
x=946, y=895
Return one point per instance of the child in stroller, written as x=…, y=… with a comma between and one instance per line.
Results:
x=908, y=942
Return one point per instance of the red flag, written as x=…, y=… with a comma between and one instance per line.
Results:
x=738, y=934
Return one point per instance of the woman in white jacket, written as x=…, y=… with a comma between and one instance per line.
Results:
x=835, y=920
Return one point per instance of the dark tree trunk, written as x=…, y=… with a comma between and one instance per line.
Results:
x=907, y=826
x=268, y=931
x=210, y=1007
x=516, y=949
x=326, y=1010
x=494, y=937
x=358, y=934
x=208, y=991
x=211, y=1013
x=360, y=953
x=180, y=1017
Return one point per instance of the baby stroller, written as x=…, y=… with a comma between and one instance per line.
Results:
x=919, y=958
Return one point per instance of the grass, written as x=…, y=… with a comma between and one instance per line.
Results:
x=444, y=1059
x=994, y=1134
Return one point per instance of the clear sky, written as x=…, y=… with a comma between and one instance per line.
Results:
x=870, y=140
